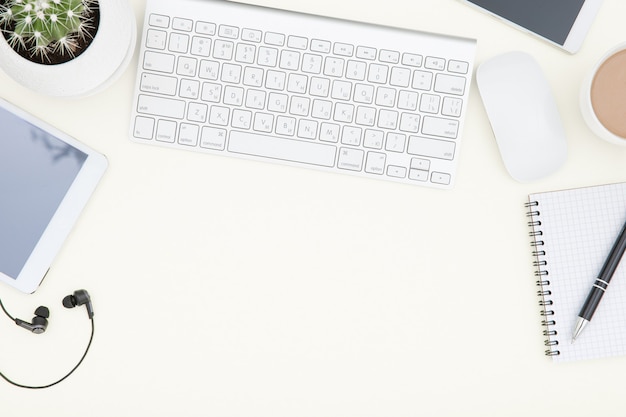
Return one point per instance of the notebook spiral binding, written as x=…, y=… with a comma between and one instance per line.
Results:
x=541, y=272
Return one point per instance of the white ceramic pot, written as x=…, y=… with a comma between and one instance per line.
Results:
x=97, y=67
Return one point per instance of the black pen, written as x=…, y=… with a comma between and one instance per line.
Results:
x=601, y=283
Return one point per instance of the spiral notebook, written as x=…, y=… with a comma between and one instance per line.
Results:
x=572, y=233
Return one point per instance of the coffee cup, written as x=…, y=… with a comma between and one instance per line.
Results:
x=603, y=96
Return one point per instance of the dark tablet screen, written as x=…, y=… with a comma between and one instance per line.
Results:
x=552, y=19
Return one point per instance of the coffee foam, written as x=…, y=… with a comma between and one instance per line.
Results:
x=608, y=94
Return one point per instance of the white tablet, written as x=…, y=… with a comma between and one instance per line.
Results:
x=46, y=178
x=563, y=23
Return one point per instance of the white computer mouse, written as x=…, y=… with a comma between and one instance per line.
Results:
x=523, y=115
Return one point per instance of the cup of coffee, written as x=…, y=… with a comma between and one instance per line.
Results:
x=603, y=97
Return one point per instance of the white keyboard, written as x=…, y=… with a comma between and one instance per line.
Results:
x=265, y=84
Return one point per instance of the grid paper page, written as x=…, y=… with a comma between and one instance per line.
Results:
x=579, y=228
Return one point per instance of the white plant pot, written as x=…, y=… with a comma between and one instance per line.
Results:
x=97, y=67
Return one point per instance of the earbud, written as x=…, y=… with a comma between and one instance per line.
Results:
x=39, y=323
x=79, y=298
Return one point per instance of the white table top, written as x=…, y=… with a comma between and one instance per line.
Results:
x=224, y=287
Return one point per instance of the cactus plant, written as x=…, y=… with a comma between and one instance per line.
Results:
x=44, y=27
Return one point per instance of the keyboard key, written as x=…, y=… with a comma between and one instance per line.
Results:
x=297, y=42
x=333, y=67
x=144, y=127
x=205, y=28
x=412, y=60
x=189, y=89
x=364, y=52
x=396, y=171
x=452, y=106
x=449, y=84
x=322, y=46
x=351, y=136
x=230, y=32
x=458, y=67
x=418, y=175
x=282, y=149
x=355, y=70
x=276, y=39
x=219, y=115
x=153, y=83
x=365, y=116
x=268, y=57
x=422, y=164
x=197, y=112
x=435, y=63
x=233, y=96
x=329, y=132
x=263, y=122
x=373, y=139
x=395, y=142
x=159, y=20
x=253, y=77
x=311, y=64
x=433, y=148
x=307, y=129
x=400, y=77
x=409, y=122
x=392, y=57
x=209, y=70
x=251, y=35
x=158, y=106
x=245, y=53
x=231, y=73
x=156, y=39
x=375, y=163
x=285, y=126
x=188, y=134
x=186, y=66
x=289, y=60
x=378, y=73
x=422, y=80
x=297, y=83
x=242, y=119
x=223, y=50
x=343, y=49
x=213, y=138
x=440, y=178
x=157, y=61
x=319, y=87
x=407, y=100
x=275, y=80
x=350, y=159
x=178, y=43
x=185, y=25
x=437, y=126
x=166, y=131
x=200, y=46
x=429, y=103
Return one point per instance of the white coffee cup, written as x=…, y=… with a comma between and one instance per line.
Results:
x=603, y=96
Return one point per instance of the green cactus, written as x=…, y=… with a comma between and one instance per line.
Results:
x=45, y=26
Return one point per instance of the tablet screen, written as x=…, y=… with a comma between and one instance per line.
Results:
x=36, y=171
x=552, y=19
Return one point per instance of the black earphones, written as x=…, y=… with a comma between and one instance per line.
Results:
x=39, y=324
x=79, y=298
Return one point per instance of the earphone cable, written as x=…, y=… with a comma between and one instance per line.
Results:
x=5, y=311
x=60, y=380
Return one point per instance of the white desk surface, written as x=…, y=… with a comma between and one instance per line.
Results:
x=224, y=287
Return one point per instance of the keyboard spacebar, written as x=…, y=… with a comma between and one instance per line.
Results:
x=282, y=149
